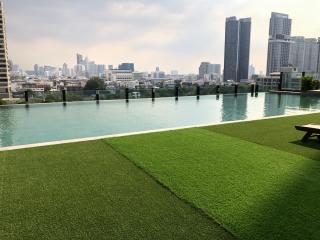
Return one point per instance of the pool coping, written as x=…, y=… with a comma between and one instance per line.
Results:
x=88, y=139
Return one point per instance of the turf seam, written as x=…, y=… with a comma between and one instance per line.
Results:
x=260, y=144
x=192, y=205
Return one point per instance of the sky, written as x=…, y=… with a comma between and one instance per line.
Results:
x=171, y=34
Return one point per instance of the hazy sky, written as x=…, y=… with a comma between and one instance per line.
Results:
x=172, y=34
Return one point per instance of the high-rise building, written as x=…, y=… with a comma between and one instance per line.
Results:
x=304, y=54
x=237, y=48
x=65, y=70
x=252, y=71
x=310, y=55
x=208, y=68
x=36, y=70
x=126, y=66
x=5, y=83
x=80, y=60
x=297, y=53
x=204, y=69
x=244, y=48
x=279, y=42
x=231, y=49
x=318, y=62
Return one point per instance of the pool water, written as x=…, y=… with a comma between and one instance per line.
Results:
x=39, y=123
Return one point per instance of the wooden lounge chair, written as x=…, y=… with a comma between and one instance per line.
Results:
x=312, y=130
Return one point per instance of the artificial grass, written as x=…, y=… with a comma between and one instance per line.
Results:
x=89, y=191
x=254, y=191
x=278, y=133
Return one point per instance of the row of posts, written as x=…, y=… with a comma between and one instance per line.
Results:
x=254, y=92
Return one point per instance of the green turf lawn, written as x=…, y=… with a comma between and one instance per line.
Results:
x=278, y=133
x=254, y=191
x=89, y=191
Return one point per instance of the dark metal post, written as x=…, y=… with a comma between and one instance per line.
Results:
x=97, y=96
x=153, y=94
x=236, y=86
x=176, y=94
x=127, y=94
x=26, y=96
x=218, y=89
x=252, y=90
x=257, y=90
x=303, y=74
x=64, y=95
x=281, y=82
x=198, y=92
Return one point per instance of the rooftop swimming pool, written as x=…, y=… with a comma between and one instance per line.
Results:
x=20, y=125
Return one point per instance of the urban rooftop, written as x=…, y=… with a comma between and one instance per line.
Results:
x=117, y=153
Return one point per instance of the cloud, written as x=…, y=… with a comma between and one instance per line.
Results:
x=172, y=34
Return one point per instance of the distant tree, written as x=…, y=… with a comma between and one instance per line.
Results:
x=307, y=83
x=95, y=83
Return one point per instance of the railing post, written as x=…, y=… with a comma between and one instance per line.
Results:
x=252, y=90
x=236, y=89
x=176, y=94
x=257, y=90
x=153, y=93
x=198, y=92
x=127, y=94
x=26, y=96
x=218, y=89
x=281, y=82
x=64, y=96
x=97, y=96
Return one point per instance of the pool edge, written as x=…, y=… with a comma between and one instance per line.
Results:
x=88, y=139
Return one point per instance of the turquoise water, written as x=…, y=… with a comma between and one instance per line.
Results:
x=51, y=122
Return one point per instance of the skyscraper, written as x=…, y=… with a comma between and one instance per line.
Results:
x=237, y=48
x=297, y=52
x=279, y=42
x=5, y=84
x=79, y=59
x=231, y=49
x=244, y=48
x=318, y=62
x=310, y=55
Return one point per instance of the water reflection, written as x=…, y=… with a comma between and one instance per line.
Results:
x=234, y=107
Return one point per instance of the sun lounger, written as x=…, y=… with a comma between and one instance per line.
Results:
x=312, y=130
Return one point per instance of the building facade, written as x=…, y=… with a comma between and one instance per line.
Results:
x=5, y=83
x=237, y=49
x=279, y=42
x=127, y=66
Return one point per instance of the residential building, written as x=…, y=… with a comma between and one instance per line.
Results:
x=5, y=83
x=279, y=42
x=297, y=52
x=237, y=49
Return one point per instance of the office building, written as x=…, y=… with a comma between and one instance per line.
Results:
x=80, y=60
x=5, y=83
x=279, y=42
x=206, y=68
x=244, y=48
x=126, y=66
x=237, y=49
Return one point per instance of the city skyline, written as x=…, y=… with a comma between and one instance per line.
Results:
x=180, y=39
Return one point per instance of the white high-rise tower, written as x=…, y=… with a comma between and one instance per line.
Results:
x=5, y=84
